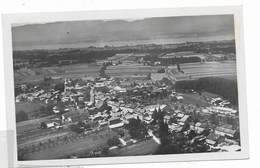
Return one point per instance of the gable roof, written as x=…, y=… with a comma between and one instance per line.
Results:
x=213, y=136
x=225, y=130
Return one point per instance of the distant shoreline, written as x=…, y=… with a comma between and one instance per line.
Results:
x=125, y=43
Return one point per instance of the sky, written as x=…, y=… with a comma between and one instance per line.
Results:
x=94, y=31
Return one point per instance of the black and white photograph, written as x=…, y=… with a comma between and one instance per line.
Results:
x=134, y=86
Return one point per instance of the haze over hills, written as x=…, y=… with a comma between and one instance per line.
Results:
x=95, y=31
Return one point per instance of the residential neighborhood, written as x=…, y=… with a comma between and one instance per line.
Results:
x=126, y=88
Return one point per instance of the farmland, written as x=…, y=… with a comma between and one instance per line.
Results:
x=119, y=57
x=31, y=124
x=142, y=148
x=183, y=54
x=210, y=69
x=131, y=70
x=86, y=142
x=66, y=71
x=195, y=99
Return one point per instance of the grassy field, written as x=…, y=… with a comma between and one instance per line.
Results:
x=31, y=124
x=140, y=148
x=39, y=139
x=183, y=54
x=27, y=106
x=119, y=57
x=90, y=142
x=128, y=70
x=66, y=71
x=225, y=69
x=194, y=99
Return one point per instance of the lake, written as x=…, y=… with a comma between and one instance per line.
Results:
x=123, y=43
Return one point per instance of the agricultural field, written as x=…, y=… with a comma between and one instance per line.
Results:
x=66, y=71
x=83, y=143
x=226, y=69
x=141, y=148
x=27, y=106
x=131, y=70
x=183, y=54
x=119, y=57
x=29, y=125
x=195, y=99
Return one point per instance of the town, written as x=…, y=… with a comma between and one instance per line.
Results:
x=129, y=103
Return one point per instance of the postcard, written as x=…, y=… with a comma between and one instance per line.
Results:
x=125, y=86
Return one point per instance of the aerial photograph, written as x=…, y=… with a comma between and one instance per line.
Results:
x=125, y=87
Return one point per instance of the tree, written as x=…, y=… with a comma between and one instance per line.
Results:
x=160, y=115
x=43, y=125
x=214, y=119
x=163, y=130
x=113, y=141
x=60, y=87
x=191, y=134
x=21, y=116
x=168, y=149
x=149, y=76
x=161, y=70
x=178, y=67
x=105, y=151
x=137, y=129
x=155, y=115
x=173, y=119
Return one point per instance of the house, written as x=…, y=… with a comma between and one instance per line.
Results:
x=166, y=108
x=224, y=111
x=50, y=124
x=120, y=90
x=56, y=109
x=103, y=124
x=126, y=140
x=116, y=114
x=167, y=118
x=99, y=104
x=114, y=120
x=148, y=119
x=231, y=148
x=179, y=116
x=227, y=132
x=175, y=127
x=184, y=120
x=214, y=139
x=179, y=98
x=199, y=127
x=128, y=117
x=118, y=125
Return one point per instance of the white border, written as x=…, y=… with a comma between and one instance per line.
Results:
x=9, y=19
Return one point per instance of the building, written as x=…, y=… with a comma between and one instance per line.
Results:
x=158, y=76
x=226, y=132
x=214, y=139
x=223, y=111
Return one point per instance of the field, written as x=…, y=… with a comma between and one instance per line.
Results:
x=141, y=148
x=37, y=138
x=183, y=54
x=195, y=99
x=89, y=142
x=131, y=70
x=226, y=69
x=31, y=124
x=66, y=71
x=119, y=57
x=27, y=106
